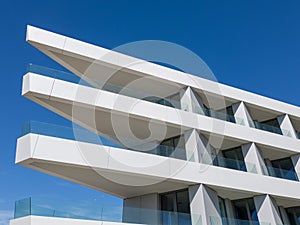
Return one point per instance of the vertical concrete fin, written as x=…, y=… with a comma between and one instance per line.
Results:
x=204, y=204
x=286, y=126
x=267, y=210
x=205, y=150
x=254, y=159
x=191, y=100
x=296, y=163
x=192, y=140
x=242, y=115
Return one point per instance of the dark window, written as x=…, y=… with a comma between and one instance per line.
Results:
x=175, y=208
x=283, y=168
x=245, y=210
x=272, y=122
x=173, y=147
x=233, y=159
x=269, y=125
x=222, y=208
x=294, y=215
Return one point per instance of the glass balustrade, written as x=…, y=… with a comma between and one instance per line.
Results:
x=266, y=127
x=228, y=163
x=218, y=115
x=70, y=77
x=92, y=211
x=231, y=221
x=281, y=173
x=83, y=135
x=57, y=74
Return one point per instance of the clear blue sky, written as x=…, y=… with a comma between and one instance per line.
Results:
x=253, y=45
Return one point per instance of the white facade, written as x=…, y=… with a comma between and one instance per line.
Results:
x=192, y=151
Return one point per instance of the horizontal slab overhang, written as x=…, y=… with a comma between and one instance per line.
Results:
x=126, y=173
x=41, y=220
x=114, y=114
x=84, y=59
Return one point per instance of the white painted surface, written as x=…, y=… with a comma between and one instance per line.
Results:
x=241, y=112
x=267, y=210
x=46, y=40
x=38, y=151
x=296, y=163
x=66, y=92
x=252, y=156
x=119, y=162
x=204, y=205
x=192, y=145
x=40, y=220
x=286, y=126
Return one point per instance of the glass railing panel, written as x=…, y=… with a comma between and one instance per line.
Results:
x=230, y=221
x=70, y=77
x=100, y=212
x=286, y=133
x=65, y=209
x=169, y=151
x=141, y=95
x=218, y=115
x=251, y=168
x=199, y=110
x=266, y=127
x=239, y=121
x=229, y=163
x=272, y=129
x=281, y=173
x=83, y=135
x=52, y=130
x=222, y=116
x=22, y=208
x=57, y=74
x=155, y=217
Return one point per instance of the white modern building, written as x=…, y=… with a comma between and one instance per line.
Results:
x=189, y=151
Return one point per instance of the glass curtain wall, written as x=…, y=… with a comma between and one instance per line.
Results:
x=294, y=215
x=178, y=202
x=232, y=158
x=174, y=147
x=283, y=168
x=245, y=210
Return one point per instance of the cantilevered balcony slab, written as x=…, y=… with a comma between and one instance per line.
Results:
x=127, y=173
x=40, y=220
x=113, y=114
x=84, y=59
x=104, y=168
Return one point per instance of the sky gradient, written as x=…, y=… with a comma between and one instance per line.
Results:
x=253, y=45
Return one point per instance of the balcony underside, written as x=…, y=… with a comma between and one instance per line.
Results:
x=119, y=172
